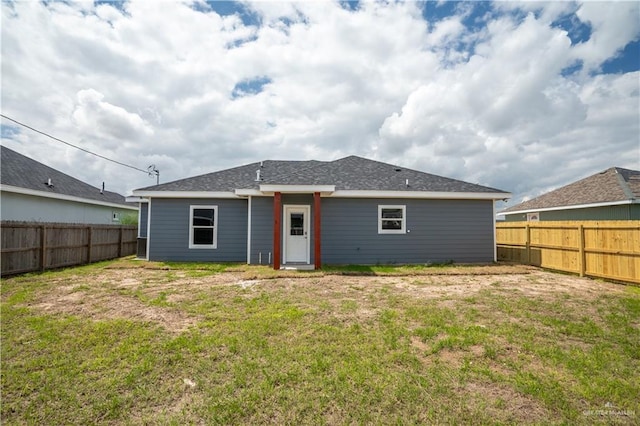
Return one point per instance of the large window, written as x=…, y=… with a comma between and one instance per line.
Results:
x=203, y=227
x=391, y=219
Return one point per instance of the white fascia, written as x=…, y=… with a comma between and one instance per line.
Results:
x=185, y=194
x=577, y=206
x=423, y=195
x=297, y=189
x=35, y=193
x=131, y=199
x=329, y=191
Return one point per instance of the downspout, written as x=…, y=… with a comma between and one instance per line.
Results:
x=317, y=261
x=139, y=217
x=249, y=230
x=148, y=228
x=495, y=240
x=277, y=221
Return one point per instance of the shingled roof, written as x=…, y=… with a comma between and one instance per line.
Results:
x=349, y=173
x=23, y=172
x=613, y=185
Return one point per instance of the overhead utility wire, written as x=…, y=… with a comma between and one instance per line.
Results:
x=75, y=146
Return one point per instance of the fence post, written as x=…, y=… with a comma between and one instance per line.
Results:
x=581, y=256
x=528, y=244
x=120, y=242
x=89, y=244
x=43, y=247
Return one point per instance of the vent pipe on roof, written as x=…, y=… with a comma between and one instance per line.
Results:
x=49, y=183
x=102, y=190
x=258, y=178
x=407, y=182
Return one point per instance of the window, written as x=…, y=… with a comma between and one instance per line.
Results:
x=115, y=216
x=391, y=219
x=203, y=227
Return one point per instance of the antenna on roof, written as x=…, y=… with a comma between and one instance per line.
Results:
x=153, y=171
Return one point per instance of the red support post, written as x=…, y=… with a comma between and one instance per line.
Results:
x=316, y=231
x=277, y=219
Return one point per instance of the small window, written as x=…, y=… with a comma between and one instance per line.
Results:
x=533, y=217
x=115, y=217
x=297, y=224
x=391, y=219
x=203, y=227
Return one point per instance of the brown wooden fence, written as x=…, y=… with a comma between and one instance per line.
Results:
x=28, y=247
x=604, y=249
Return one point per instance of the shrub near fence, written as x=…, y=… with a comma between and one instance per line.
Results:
x=28, y=247
x=604, y=249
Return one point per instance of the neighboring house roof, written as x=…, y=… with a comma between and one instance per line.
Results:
x=350, y=174
x=24, y=175
x=610, y=187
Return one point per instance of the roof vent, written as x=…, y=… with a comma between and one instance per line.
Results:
x=258, y=177
x=406, y=182
x=49, y=183
x=397, y=169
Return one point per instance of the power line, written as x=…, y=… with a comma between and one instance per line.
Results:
x=148, y=171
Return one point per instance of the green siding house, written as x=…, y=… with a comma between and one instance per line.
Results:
x=613, y=194
x=33, y=192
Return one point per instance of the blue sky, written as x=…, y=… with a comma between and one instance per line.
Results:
x=522, y=96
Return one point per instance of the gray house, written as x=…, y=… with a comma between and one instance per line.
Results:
x=33, y=192
x=613, y=194
x=306, y=213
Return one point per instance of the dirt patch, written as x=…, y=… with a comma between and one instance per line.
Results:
x=115, y=307
x=139, y=293
x=504, y=402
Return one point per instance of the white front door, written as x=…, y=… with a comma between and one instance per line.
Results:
x=296, y=234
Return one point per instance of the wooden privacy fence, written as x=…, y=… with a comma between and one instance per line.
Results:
x=28, y=247
x=604, y=249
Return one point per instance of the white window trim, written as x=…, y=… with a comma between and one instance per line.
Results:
x=403, y=230
x=215, y=228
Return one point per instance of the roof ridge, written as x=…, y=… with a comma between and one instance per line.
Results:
x=624, y=184
x=347, y=173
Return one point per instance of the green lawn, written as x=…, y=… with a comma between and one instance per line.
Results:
x=129, y=342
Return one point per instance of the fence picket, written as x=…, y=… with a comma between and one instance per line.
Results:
x=604, y=249
x=28, y=247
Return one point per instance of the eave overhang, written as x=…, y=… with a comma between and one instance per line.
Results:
x=184, y=194
x=574, y=207
x=325, y=191
x=64, y=197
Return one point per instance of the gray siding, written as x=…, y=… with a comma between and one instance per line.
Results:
x=142, y=222
x=29, y=208
x=169, y=239
x=261, y=229
x=439, y=230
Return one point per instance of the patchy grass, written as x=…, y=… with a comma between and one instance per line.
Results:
x=137, y=342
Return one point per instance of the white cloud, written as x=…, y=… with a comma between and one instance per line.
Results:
x=613, y=26
x=151, y=83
